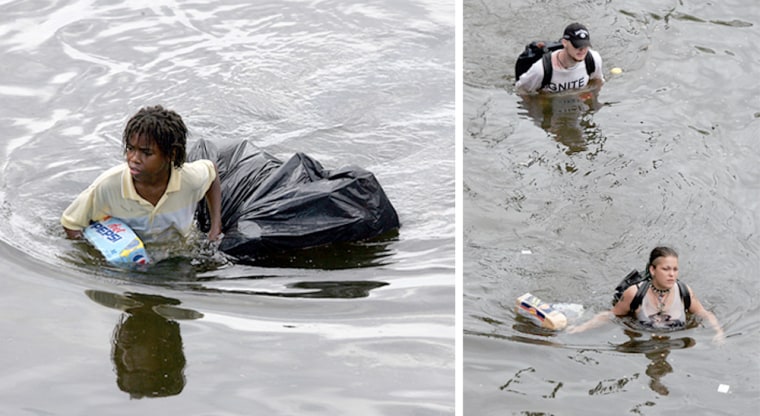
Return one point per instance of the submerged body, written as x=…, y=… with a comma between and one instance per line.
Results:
x=653, y=313
x=568, y=65
x=662, y=306
x=567, y=72
x=155, y=192
x=114, y=194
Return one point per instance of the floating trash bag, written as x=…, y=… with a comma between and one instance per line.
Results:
x=273, y=206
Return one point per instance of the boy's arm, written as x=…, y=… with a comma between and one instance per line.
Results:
x=77, y=215
x=214, y=201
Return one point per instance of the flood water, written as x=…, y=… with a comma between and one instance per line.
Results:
x=365, y=328
x=563, y=196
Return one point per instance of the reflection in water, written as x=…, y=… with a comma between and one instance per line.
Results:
x=185, y=263
x=657, y=349
x=310, y=289
x=567, y=117
x=344, y=290
x=147, y=346
x=337, y=256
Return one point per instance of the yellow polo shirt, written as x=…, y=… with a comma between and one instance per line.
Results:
x=113, y=194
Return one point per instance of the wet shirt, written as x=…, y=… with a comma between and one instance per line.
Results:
x=113, y=194
x=562, y=79
x=674, y=316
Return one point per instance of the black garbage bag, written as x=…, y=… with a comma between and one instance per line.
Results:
x=272, y=206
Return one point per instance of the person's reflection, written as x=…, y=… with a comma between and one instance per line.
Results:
x=657, y=349
x=657, y=369
x=567, y=117
x=147, y=346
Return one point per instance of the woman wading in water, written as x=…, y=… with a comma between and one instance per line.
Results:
x=665, y=300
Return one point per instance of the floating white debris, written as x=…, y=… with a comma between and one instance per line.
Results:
x=723, y=388
x=526, y=251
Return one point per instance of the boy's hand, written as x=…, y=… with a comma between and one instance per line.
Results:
x=215, y=234
x=73, y=234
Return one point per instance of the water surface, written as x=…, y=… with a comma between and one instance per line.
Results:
x=564, y=196
x=364, y=328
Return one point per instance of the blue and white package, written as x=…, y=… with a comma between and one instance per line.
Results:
x=118, y=243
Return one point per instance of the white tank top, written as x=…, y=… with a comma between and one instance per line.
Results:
x=674, y=316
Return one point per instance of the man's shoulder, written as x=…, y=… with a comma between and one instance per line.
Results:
x=531, y=79
x=596, y=55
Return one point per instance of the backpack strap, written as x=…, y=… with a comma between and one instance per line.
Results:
x=682, y=287
x=590, y=64
x=636, y=302
x=548, y=70
x=685, y=295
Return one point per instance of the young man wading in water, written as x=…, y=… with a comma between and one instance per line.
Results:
x=570, y=66
x=155, y=192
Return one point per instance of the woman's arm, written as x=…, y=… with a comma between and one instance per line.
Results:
x=697, y=309
x=621, y=308
x=214, y=201
x=600, y=319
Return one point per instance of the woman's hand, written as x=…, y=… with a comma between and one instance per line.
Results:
x=600, y=319
x=720, y=337
x=574, y=329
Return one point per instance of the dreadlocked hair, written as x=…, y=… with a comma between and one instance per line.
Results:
x=165, y=127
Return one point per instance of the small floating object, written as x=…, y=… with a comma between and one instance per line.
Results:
x=118, y=243
x=540, y=312
x=723, y=388
x=616, y=71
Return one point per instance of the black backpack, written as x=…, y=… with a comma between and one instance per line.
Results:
x=634, y=278
x=538, y=50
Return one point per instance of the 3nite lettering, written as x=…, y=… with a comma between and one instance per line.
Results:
x=110, y=232
x=571, y=85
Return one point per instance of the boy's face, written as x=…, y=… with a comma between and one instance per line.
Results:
x=146, y=161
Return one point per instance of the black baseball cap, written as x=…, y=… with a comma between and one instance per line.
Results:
x=578, y=35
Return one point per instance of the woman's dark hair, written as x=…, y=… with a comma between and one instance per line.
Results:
x=656, y=253
x=163, y=126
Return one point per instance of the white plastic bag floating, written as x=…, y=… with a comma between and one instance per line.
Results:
x=572, y=311
x=118, y=243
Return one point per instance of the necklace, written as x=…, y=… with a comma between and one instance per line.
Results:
x=662, y=296
x=562, y=63
x=661, y=292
